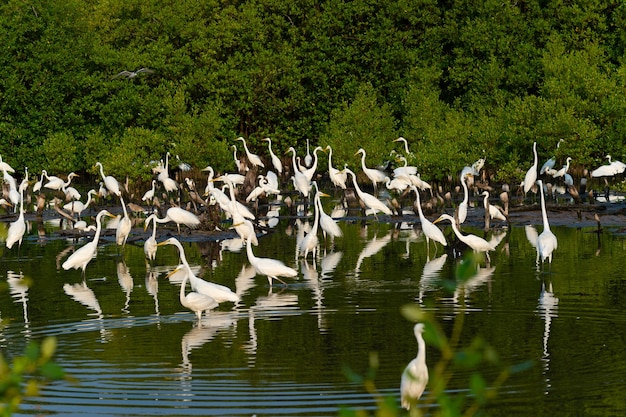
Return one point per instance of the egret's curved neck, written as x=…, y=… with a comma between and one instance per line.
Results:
x=421, y=350
x=465, y=190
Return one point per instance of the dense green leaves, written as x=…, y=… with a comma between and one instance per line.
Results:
x=460, y=80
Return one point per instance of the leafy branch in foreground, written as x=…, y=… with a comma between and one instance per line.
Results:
x=476, y=360
x=26, y=374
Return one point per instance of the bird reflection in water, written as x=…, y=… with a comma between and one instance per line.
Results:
x=83, y=294
x=152, y=286
x=18, y=288
x=312, y=280
x=274, y=305
x=415, y=375
x=374, y=246
x=547, y=308
x=198, y=336
x=126, y=282
x=464, y=289
x=430, y=276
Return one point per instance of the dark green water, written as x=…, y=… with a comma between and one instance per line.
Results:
x=135, y=351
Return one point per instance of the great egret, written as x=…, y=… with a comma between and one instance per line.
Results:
x=149, y=195
x=462, y=208
x=18, y=227
x=406, y=144
x=369, y=200
x=310, y=172
x=233, y=204
x=56, y=183
x=133, y=74
x=150, y=245
x=123, y=227
x=169, y=184
x=561, y=172
x=375, y=175
x=86, y=253
x=406, y=169
x=549, y=164
x=196, y=302
x=77, y=207
x=272, y=268
x=6, y=167
x=415, y=375
x=476, y=243
x=399, y=183
x=327, y=223
x=310, y=242
x=252, y=158
x=179, y=216
x=39, y=184
x=546, y=242
x=494, y=211
x=110, y=183
x=531, y=174
x=219, y=293
x=337, y=177
x=308, y=159
x=428, y=228
x=300, y=181
x=276, y=162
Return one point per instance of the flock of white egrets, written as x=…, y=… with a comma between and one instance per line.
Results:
x=207, y=295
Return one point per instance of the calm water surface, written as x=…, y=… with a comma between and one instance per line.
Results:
x=133, y=350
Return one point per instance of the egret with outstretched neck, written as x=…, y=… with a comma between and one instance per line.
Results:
x=428, y=228
x=375, y=175
x=369, y=200
x=546, y=242
x=252, y=158
x=276, y=162
x=531, y=174
x=110, y=183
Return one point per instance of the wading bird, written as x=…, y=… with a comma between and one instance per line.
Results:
x=375, y=175
x=86, y=253
x=196, y=302
x=276, y=162
x=369, y=201
x=179, y=216
x=110, y=182
x=252, y=158
x=430, y=230
x=476, y=243
x=217, y=292
x=531, y=174
x=271, y=268
x=546, y=242
x=415, y=375
x=133, y=74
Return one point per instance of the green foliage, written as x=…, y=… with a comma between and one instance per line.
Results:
x=26, y=374
x=364, y=123
x=62, y=153
x=460, y=80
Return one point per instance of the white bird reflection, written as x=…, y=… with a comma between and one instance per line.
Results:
x=531, y=235
x=83, y=294
x=201, y=334
x=463, y=290
x=374, y=246
x=18, y=287
x=430, y=275
x=329, y=264
x=126, y=282
x=244, y=280
x=548, y=309
x=312, y=279
x=274, y=306
x=152, y=286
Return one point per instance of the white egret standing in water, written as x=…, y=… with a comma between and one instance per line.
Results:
x=110, y=183
x=546, y=242
x=86, y=253
x=196, y=302
x=415, y=375
x=272, y=268
x=478, y=244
